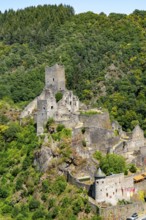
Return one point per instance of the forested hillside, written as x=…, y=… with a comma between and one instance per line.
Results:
x=104, y=57
x=105, y=62
x=87, y=45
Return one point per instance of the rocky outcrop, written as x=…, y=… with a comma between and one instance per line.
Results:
x=113, y=73
x=43, y=158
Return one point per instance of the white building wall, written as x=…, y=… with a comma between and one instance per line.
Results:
x=113, y=188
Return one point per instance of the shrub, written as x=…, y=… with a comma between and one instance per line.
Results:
x=65, y=202
x=98, y=155
x=26, y=163
x=60, y=127
x=58, y=96
x=88, y=113
x=45, y=186
x=20, y=217
x=59, y=185
x=15, y=171
x=3, y=193
x=84, y=143
x=44, y=198
x=51, y=203
x=126, y=172
x=54, y=212
x=24, y=210
x=112, y=163
x=49, y=122
x=132, y=168
x=3, y=119
x=19, y=184
x=11, y=133
x=87, y=208
x=83, y=130
x=77, y=206
x=38, y=214
x=6, y=209
x=33, y=204
x=15, y=212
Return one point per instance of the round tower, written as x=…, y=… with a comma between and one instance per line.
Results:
x=100, y=182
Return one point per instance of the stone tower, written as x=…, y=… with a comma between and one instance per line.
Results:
x=55, y=78
x=99, y=185
x=41, y=115
x=112, y=188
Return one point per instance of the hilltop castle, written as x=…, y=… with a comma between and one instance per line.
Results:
x=95, y=130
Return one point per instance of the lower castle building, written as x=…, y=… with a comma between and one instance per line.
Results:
x=111, y=189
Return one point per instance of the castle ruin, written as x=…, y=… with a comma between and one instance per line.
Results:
x=64, y=111
x=99, y=132
x=95, y=130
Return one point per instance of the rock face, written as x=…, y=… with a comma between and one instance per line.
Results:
x=131, y=143
x=113, y=73
x=43, y=158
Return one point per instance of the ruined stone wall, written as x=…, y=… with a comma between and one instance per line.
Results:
x=70, y=101
x=121, y=148
x=97, y=120
x=113, y=188
x=140, y=186
x=77, y=137
x=74, y=181
x=100, y=139
x=31, y=106
x=116, y=127
x=51, y=106
x=41, y=115
x=133, y=145
x=69, y=121
x=143, y=151
x=137, y=140
x=137, y=133
x=122, y=212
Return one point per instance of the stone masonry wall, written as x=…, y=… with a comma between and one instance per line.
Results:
x=97, y=120
x=100, y=139
x=31, y=106
x=113, y=188
x=122, y=212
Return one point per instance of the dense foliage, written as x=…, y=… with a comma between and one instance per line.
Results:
x=105, y=63
x=87, y=45
x=113, y=164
